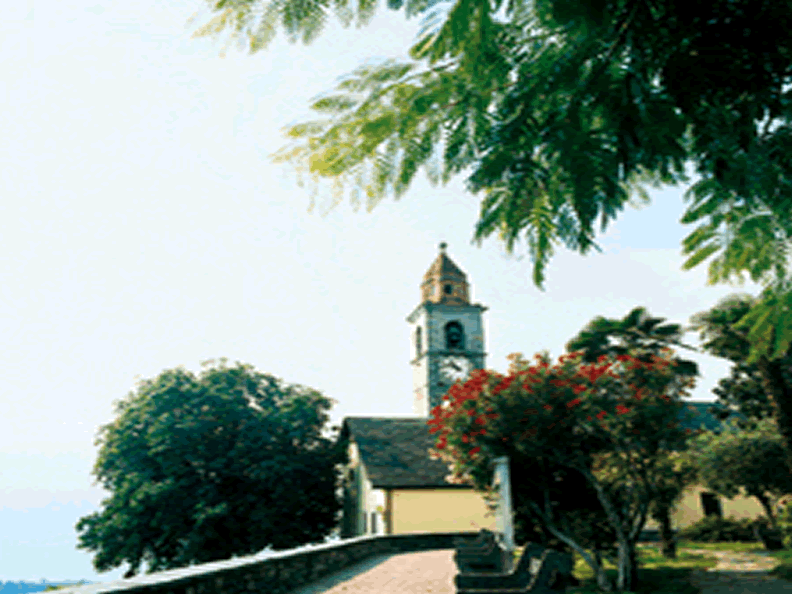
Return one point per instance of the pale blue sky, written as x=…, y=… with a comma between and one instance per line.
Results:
x=143, y=228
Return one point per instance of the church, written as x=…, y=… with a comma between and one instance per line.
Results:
x=392, y=486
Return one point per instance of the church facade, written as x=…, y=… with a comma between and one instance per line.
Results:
x=392, y=486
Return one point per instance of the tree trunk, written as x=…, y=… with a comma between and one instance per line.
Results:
x=768, y=509
x=602, y=580
x=603, y=583
x=780, y=396
x=667, y=541
x=627, y=578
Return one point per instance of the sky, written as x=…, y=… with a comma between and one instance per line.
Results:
x=143, y=227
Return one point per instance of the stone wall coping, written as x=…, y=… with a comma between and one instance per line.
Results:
x=205, y=570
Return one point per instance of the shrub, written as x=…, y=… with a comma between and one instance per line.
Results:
x=785, y=524
x=715, y=529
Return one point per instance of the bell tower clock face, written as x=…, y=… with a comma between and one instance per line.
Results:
x=455, y=368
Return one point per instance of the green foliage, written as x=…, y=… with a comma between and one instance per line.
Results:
x=207, y=467
x=728, y=330
x=637, y=334
x=744, y=462
x=718, y=330
x=742, y=392
x=785, y=524
x=560, y=112
x=644, y=337
x=543, y=418
x=715, y=529
x=769, y=325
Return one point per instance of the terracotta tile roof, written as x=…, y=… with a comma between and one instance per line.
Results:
x=394, y=450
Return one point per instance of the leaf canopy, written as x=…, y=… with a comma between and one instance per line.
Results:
x=559, y=114
x=202, y=468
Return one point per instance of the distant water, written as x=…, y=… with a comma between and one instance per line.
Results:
x=12, y=587
x=40, y=586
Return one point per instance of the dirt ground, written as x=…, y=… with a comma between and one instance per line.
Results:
x=740, y=573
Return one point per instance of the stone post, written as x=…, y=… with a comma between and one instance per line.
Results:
x=505, y=519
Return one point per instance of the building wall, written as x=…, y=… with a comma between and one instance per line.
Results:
x=437, y=510
x=690, y=509
x=364, y=506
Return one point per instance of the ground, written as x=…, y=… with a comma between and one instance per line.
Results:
x=743, y=573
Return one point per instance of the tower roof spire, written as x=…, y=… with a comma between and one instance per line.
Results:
x=445, y=282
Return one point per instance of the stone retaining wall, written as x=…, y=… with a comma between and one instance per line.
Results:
x=272, y=572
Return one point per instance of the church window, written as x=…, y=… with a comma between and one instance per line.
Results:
x=455, y=336
x=449, y=289
x=711, y=505
x=418, y=342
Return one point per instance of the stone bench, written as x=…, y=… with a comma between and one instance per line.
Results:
x=539, y=571
x=482, y=555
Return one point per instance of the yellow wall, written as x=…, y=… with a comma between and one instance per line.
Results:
x=438, y=510
x=690, y=510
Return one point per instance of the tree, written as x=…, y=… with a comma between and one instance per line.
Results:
x=725, y=331
x=637, y=334
x=742, y=392
x=744, y=462
x=643, y=337
x=560, y=110
x=609, y=422
x=207, y=467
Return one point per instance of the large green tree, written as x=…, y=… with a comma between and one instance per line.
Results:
x=206, y=467
x=609, y=422
x=742, y=393
x=644, y=337
x=745, y=462
x=559, y=110
x=637, y=334
x=725, y=331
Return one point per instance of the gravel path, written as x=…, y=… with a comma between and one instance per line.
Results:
x=739, y=573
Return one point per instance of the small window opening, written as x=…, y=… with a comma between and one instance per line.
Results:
x=449, y=289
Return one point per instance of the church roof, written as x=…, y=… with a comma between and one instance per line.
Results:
x=395, y=450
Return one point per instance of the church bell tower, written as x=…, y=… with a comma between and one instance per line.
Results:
x=447, y=334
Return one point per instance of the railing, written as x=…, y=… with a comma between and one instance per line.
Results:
x=270, y=572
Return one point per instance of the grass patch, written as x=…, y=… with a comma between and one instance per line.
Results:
x=735, y=547
x=784, y=570
x=657, y=574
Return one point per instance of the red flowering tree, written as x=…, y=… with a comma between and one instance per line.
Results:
x=609, y=422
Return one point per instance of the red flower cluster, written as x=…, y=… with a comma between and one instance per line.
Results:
x=464, y=402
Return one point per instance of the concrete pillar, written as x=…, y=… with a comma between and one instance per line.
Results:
x=502, y=481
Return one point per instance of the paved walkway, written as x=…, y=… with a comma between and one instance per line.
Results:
x=739, y=573
x=407, y=573
x=433, y=572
